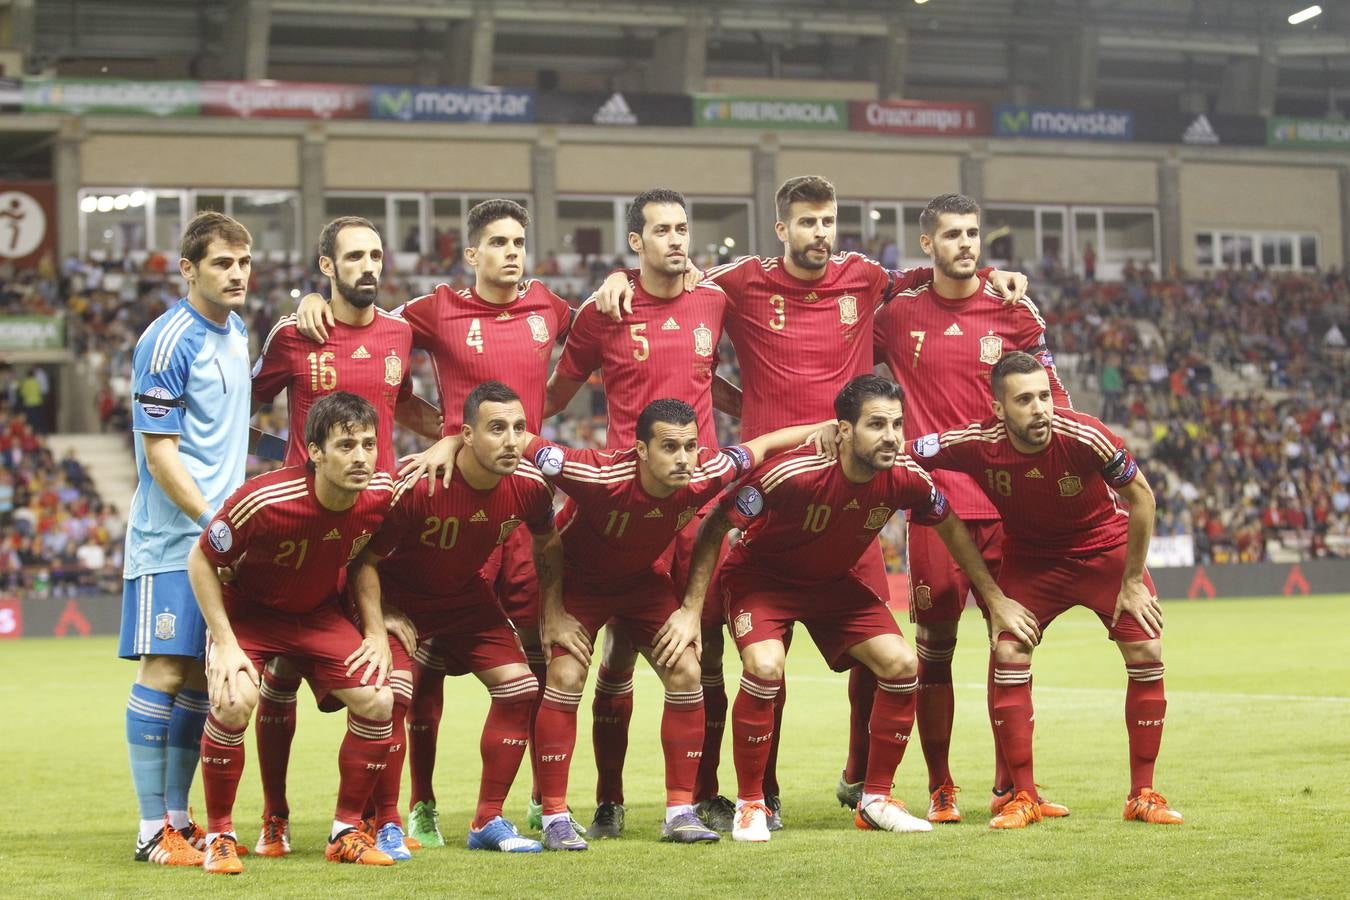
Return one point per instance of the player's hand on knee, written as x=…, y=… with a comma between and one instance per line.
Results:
x=226, y=665
x=1134, y=598
x=401, y=628
x=313, y=317
x=614, y=298
x=563, y=630
x=1006, y=615
x=374, y=655
x=680, y=630
x=1012, y=285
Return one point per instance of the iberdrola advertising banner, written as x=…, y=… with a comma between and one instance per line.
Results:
x=770, y=113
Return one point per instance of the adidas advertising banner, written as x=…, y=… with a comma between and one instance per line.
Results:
x=452, y=104
x=1063, y=124
x=1308, y=134
x=1200, y=130
x=617, y=108
x=919, y=117
x=285, y=100
x=770, y=113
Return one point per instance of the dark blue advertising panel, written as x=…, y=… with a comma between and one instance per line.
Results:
x=408, y=103
x=1049, y=123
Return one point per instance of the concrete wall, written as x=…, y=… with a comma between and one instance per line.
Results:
x=871, y=175
x=1047, y=179
x=202, y=161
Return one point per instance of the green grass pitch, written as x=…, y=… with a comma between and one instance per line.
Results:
x=1256, y=754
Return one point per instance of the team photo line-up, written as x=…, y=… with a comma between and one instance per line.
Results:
x=373, y=577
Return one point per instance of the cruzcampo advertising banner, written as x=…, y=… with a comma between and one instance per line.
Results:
x=408, y=103
x=921, y=117
x=81, y=96
x=770, y=113
x=285, y=99
x=1308, y=134
x=1048, y=123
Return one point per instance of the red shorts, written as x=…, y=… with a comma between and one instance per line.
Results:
x=461, y=634
x=638, y=607
x=317, y=642
x=680, y=555
x=515, y=581
x=937, y=586
x=870, y=569
x=839, y=614
x=1047, y=587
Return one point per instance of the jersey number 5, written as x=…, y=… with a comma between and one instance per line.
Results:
x=644, y=347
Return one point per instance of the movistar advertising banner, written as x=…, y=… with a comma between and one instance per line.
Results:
x=1049, y=123
x=451, y=104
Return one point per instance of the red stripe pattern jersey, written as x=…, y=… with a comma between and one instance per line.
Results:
x=665, y=348
x=803, y=522
x=289, y=551
x=1055, y=503
x=370, y=361
x=942, y=351
x=799, y=342
x=435, y=546
x=471, y=341
x=614, y=530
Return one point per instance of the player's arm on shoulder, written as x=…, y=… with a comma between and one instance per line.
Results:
x=1012, y=285
x=419, y=416
x=900, y=280
x=823, y=434
x=935, y=451
x=438, y=458
x=167, y=469
x=580, y=357
x=614, y=297
x=314, y=316
x=704, y=559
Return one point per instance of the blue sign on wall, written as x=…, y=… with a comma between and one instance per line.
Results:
x=410, y=103
x=1060, y=124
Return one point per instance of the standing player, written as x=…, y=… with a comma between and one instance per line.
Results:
x=501, y=329
x=1056, y=476
x=801, y=324
x=289, y=535
x=190, y=418
x=666, y=347
x=940, y=342
x=806, y=523
x=623, y=510
x=436, y=547
x=367, y=353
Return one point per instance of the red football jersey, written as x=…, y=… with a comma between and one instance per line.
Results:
x=289, y=551
x=471, y=341
x=804, y=522
x=370, y=361
x=665, y=348
x=436, y=546
x=799, y=342
x=1054, y=503
x=942, y=351
x=612, y=529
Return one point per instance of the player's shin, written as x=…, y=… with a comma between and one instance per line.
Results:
x=752, y=733
x=503, y=744
x=424, y=721
x=890, y=727
x=539, y=669
x=275, y=724
x=362, y=757
x=147, y=721
x=185, y=740
x=1014, y=722
x=386, y=791
x=714, y=726
x=222, y=751
x=556, y=738
x=935, y=708
x=771, y=788
x=682, y=744
x=1002, y=774
x=1145, y=710
x=862, y=689
x=611, y=713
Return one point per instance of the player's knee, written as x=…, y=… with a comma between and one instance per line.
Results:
x=764, y=665
x=936, y=631
x=372, y=703
x=1006, y=651
x=565, y=673
x=166, y=673
x=235, y=714
x=1138, y=652
x=899, y=665
x=684, y=674
x=619, y=654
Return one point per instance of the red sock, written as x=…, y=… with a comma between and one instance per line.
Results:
x=611, y=712
x=539, y=669
x=752, y=733
x=1002, y=774
x=364, y=754
x=682, y=743
x=1145, y=709
x=424, y=721
x=222, y=764
x=556, y=730
x=275, y=724
x=862, y=689
x=502, y=746
x=935, y=708
x=771, y=788
x=891, y=723
x=1015, y=721
x=385, y=795
x=714, y=725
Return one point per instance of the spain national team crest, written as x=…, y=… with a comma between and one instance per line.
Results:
x=166, y=626
x=703, y=341
x=923, y=596
x=876, y=517
x=848, y=309
x=741, y=624
x=685, y=518
x=1070, y=486
x=393, y=369
x=508, y=526
x=357, y=546
x=991, y=349
x=538, y=328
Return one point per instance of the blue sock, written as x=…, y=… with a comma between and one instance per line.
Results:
x=148, y=714
x=185, y=747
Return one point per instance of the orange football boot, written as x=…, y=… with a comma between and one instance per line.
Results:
x=1049, y=809
x=222, y=856
x=942, y=805
x=1021, y=811
x=275, y=838
x=174, y=850
x=1151, y=807
x=355, y=846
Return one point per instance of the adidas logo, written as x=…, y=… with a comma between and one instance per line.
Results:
x=479, y=516
x=654, y=513
x=615, y=111
x=1035, y=473
x=670, y=325
x=954, y=331
x=333, y=535
x=361, y=353
x=852, y=504
x=1200, y=132
x=812, y=296
x=503, y=315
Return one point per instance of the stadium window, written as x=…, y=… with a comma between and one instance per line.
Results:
x=1008, y=236
x=166, y=210
x=882, y=227
x=1128, y=235
x=447, y=229
x=588, y=228
x=719, y=229
x=1307, y=251
x=1270, y=250
x=911, y=251
x=406, y=231
x=272, y=217
x=1204, y=250
x=114, y=222
x=849, y=227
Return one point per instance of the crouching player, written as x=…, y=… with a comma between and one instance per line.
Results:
x=1056, y=477
x=289, y=535
x=806, y=522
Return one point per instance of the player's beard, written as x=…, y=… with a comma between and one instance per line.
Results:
x=871, y=460
x=949, y=268
x=1028, y=437
x=361, y=294
x=801, y=260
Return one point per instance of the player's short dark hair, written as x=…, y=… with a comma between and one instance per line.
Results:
x=206, y=227
x=945, y=204
x=487, y=392
x=483, y=214
x=802, y=189
x=671, y=412
x=637, y=216
x=340, y=409
x=328, y=237
x=1015, y=362
x=848, y=404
